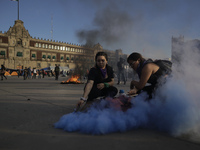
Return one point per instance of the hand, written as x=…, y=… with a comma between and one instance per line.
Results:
x=100, y=86
x=80, y=102
x=133, y=91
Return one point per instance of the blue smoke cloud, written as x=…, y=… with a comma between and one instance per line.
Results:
x=172, y=110
x=102, y=120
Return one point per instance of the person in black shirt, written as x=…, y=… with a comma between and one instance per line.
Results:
x=57, y=71
x=121, y=71
x=148, y=72
x=3, y=70
x=25, y=73
x=100, y=80
x=43, y=73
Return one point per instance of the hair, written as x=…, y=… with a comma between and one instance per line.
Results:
x=135, y=56
x=3, y=67
x=101, y=54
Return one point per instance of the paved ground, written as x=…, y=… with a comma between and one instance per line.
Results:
x=29, y=108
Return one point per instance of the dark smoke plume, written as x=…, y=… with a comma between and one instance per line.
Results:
x=111, y=26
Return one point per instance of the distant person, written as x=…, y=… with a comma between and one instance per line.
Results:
x=25, y=73
x=39, y=74
x=148, y=71
x=3, y=70
x=121, y=71
x=100, y=80
x=29, y=73
x=34, y=73
x=57, y=71
x=43, y=73
x=52, y=74
x=18, y=72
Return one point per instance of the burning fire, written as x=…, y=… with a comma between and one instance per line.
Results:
x=73, y=79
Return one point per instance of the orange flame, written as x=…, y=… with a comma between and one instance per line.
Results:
x=73, y=79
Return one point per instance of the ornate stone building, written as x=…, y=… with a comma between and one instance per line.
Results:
x=19, y=50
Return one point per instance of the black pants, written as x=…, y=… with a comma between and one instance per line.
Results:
x=121, y=74
x=149, y=90
x=34, y=76
x=57, y=74
x=25, y=76
x=107, y=92
x=2, y=75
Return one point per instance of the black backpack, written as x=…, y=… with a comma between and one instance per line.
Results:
x=165, y=65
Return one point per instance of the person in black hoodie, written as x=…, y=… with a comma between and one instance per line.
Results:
x=148, y=71
x=100, y=80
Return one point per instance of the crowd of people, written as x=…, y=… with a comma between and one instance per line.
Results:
x=28, y=73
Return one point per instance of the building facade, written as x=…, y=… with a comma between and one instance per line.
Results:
x=19, y=50
x=181, y=49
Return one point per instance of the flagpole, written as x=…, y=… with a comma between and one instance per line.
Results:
x=18, y=9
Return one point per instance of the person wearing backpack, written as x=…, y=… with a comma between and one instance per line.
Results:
x=3, y=70
x=148, y=71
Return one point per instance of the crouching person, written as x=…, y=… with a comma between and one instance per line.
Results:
x=148, y=72
x=100, y=81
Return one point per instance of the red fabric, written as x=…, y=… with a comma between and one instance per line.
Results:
x=121, y=103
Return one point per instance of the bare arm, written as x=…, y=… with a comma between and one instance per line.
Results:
x=145, y=75
x=147, y=71
x=87, y=90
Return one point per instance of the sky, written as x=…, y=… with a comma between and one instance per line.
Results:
x=144, y=26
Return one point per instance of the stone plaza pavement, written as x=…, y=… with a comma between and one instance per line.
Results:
x=29, y=108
